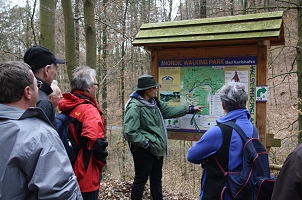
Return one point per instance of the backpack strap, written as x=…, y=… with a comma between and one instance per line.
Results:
x=227, y=127
x=240, y=131
x=72, y=142
x=213, y=184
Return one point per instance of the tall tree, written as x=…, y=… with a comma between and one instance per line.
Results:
x=77, y=30
x=123, y=67
x=170, y=10
x=203, y=8
x=70, y=53
x=90, y=33
x=104, y=52
x=299, y=68
x=47, y=23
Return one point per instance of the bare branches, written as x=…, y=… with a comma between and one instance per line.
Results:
x=283, y=74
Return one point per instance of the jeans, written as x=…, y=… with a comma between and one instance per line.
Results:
x=145, y=165
x=91, y=195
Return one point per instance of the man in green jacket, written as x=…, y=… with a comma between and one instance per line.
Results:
x=146, y=133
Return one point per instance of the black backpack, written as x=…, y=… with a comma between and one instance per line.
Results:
x=252, y=181
x=71, y=147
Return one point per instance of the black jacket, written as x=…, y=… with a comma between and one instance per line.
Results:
x=44, y=102
x=289, y=180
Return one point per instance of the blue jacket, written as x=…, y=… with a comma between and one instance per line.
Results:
x=212, y=140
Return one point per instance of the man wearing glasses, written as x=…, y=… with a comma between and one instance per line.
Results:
x=44, y=66
x=83, y=109
x=33, y=161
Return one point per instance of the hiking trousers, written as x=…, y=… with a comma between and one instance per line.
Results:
x=147, y=165
x=94, y=195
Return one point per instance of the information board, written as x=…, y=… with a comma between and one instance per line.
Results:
x=197, y=81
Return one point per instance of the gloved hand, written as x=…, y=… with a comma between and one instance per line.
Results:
x=193, y=109
x=147, y=144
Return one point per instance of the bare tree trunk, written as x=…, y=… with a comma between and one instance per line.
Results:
x=196, y=9
x=244, y=6
x=47, y=23
x=299, y=69
x=187, y=10
x=203, y=8
x=69, y=36
x=232, y=7
x=77, y=31
x=104, y=68
x=123, y=76
x=90, y=33
x=163, y=3
x=170, y=10
x=267, y=4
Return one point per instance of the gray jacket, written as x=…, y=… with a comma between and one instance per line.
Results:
x=33, y=161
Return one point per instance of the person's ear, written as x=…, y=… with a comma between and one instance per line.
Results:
x=46, y=70
x=223, y=106
x=27, y=93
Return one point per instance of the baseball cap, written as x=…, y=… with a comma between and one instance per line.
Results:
x=38, y=57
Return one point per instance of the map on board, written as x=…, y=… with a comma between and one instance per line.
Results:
x=198, y=84
x=195, y=82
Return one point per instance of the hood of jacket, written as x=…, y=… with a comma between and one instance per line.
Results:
x=75, y=98
x=15, y=113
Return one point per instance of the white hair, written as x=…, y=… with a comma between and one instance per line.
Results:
x=54, y=86
x=233, y=95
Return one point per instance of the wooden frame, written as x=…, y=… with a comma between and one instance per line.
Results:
x=164, y=42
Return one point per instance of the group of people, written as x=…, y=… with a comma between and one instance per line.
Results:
x=145, y=132
x=35, y=165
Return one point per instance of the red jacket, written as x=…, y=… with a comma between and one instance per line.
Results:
x=92, y=157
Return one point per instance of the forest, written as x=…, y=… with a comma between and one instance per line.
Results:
x=100, y=33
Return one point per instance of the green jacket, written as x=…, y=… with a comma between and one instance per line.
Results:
x=142, y=123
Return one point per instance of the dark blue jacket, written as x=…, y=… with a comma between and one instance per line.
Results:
x=45, y=103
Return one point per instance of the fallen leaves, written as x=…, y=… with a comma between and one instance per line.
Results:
x=117, y=190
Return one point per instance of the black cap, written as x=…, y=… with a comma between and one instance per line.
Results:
x=38, y=57
x=145, y=82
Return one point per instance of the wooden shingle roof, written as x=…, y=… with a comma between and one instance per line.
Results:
x=229, y=30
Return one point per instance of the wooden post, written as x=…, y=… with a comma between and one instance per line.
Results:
x=154, y=68
x=262, y=78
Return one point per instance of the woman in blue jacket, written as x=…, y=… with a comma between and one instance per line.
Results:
x=234, y=98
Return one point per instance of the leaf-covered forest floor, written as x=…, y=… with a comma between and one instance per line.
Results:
x=121, y=191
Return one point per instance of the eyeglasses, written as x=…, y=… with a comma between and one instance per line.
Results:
x=39, y=84
x=96, y=84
